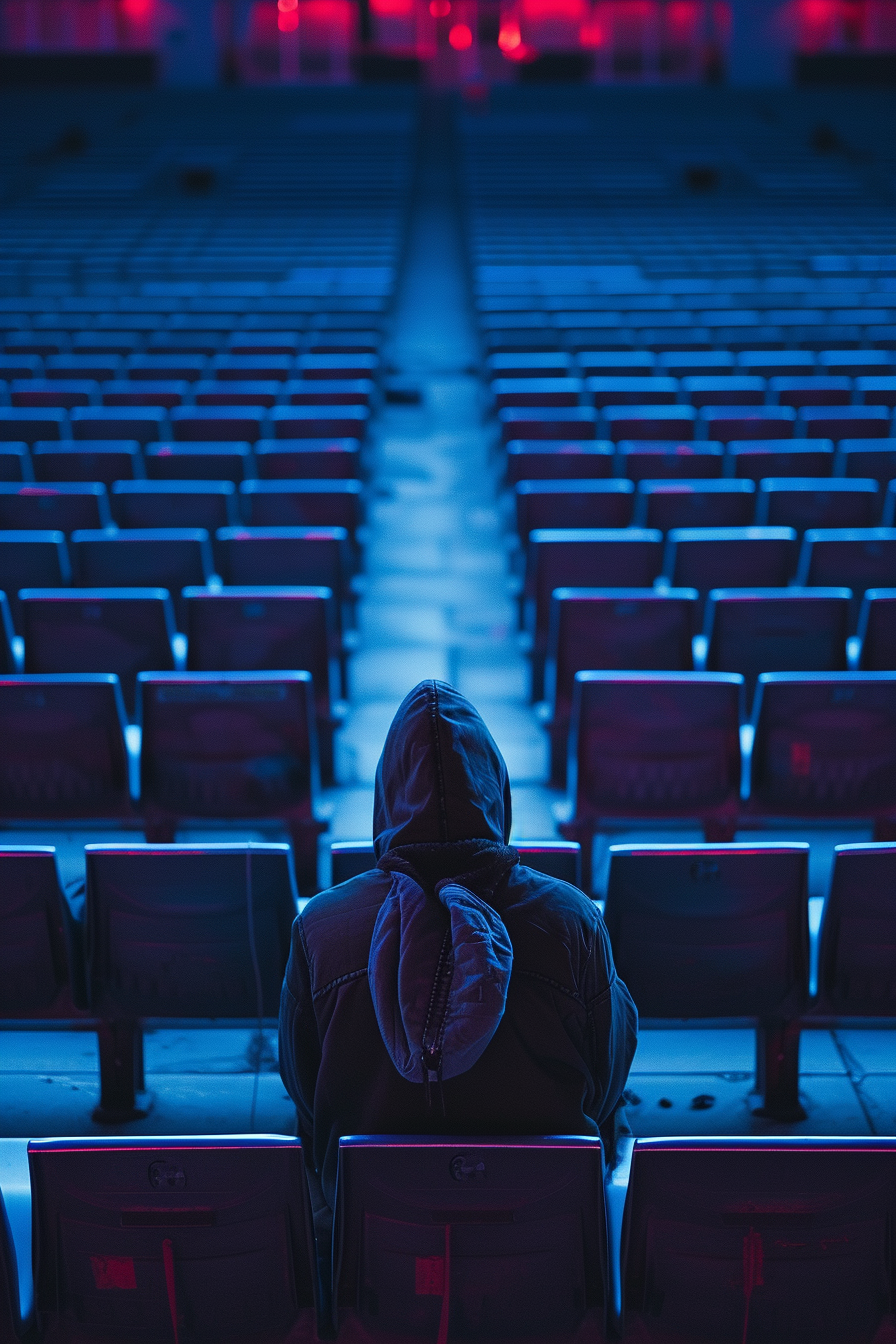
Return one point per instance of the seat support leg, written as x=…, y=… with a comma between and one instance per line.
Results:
x=121, y=1073
x=778, y=1071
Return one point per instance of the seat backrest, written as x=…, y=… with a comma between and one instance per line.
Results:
x=754, y=630
x=150, y=504
x=92, y=460
x=555, y=858
x=856, y=557
x=301, y=459
x=33, y=951
x=757, y=459
x=759, y=1239
x=626, y=628
x=227, y=744
x=669, y=503
x=804, y=501
x=623, y=557
x=825, y=744
x=188, y=930
x=62, y=506
x=877, y=630
x=572, y=504
x=302, y=504
x=857, y=965
x=201, y=1238
x=37, y=559
x=710, y=931
x=655, y=743
x=276, y=555
x=573, y=459
x=62, y=746
x=489, y=1237
x=667, y=459
x=730, y=557
x=158, y=557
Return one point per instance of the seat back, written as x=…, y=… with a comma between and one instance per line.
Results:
x=188, y=930
x=29, y=559
x=667, y=459
x=754, y=630
x=655, y=744
x=877, y=630
x=150, y=504
x=554, y=858
x=304, y=459
x=491, y=1237
x=62, y=747
x=669, y=503
x=730, y=557
x=572, y=504
x=759, y=1239
x=857, y=966
x=623, y=557
x=856, y=557
x=227, y=744
x=757, y=459
x=710, y=931
x=62, y=506
x=94, y=460
x=803, y=501
x=302, y=504
x=825, y=745
x=566, y=459
x=157, y=557
x=167, y=1238
x=33, y=952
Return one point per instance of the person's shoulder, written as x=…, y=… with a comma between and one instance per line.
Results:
x=536, y=895
x=337, y=924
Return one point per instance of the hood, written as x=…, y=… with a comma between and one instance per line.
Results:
x=440, y=956
x=440, y=777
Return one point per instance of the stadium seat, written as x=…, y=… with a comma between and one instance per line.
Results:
x=825, y=746
x=856, y=975
x=572, y=459
x=667, y=459
x=142, y=423
x=776, y=363
x=145, y=504
x=333, y=392
x=877, y=630
x=308, y=459
x=754, y=630
x=142, y=1237
x=617, y=557
x=337, y=366
x=198, y=462
x=868, y=457
x=810, y=391
x=536, y=392
x=671, y=503
x=257, y=392
x=703, y=931
x=730, y=557
x=852, y=557
x=558, y=423
x=27, y=426
x=250, y=629
x=141, y=392
x=602, y=628
x=651, y=744
x=472, y=1236
x=618, y=363
x=756, y=460
x=233, y=368
x=61, y=507
x=631, y=391
x=733, y=1238
x=120, y=630
x=549, y=364
x=151, y=368
x=99, y=368
x=555, y=858
x=817, y=501
x=650, y=422
x=114, y=460
x=313, y=503
x=286, y=555
x=319, y=422
x=725, y=423
x=855, y=363
x=15, y=463
x=62, y=748
x=723, y=390
x=41, y=973
x=230, y=745
x=37, y=559
x=566, y=503
x=142, y=557
x=65, y=393
x=876, y=391
x=197, y=424
x=844, y=422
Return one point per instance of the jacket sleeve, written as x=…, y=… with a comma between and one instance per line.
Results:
x=299, y=1036
x=612, y=1026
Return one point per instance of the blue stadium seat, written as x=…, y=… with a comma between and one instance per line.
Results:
x=730, y=557
x=817, y=501
x=556, y=858
x=811, y=391
x=471, y=1231
x=307, y=459
x=141, y=392
x=142, y=423
x=257, y=392
x=756, y=460
x=208, y=504
x=856, y=962
x=271, y=629
x=233, y=368
x=649, y=422
x=602, y=391
x=27, y=426
x=703, y=931
x=15, y=463
x=99, y=368
x=631, y=629
x=61, y=507
x=231, y=745
x=535, y=364
x=120, y=630
x=855, y=363
x=845, y=422
x=62, y=748
x=142, y=557
x=333, y=392
x=617, y=363
x=65, y=393
x=868, y=457
x=877, y=630
x=20, y=366
x=667, y=459
x=319, y=422
x=40, y=971
x=147, y=1237
x=854, y=557
x=114, y=460
x=582, y=557
x=732, y=1238
x=312, y=503
x=536, y=392
x=37, y=559
x=558, y=423
x=754, y=630
x=776, y=363
x=825, y=746
x=653, y=744
x=725, y=423
x=696, y=363
x=723, y=390
x=672, y=503
x=286, y=555
x=568, y=459
x=876, y=391
x=336, y=365
x=197, y=424
x=198, y=462
x=572, y=504
x=184, y=368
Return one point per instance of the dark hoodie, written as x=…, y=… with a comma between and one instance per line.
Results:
x=450, y=989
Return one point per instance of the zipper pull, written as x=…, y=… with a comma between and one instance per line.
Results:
x=431, y=1059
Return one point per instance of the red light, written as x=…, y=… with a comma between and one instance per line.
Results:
x=285, y=6
x=440, y=9
x=460, y=37
x=289, y=22
x=509, y=38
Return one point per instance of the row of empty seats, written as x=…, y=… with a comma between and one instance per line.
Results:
x=243, y=422
x=773, y=1239
x=640, y=420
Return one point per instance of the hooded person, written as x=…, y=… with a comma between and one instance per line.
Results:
x=450, y=989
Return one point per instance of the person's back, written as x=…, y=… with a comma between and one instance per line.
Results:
x=450, y=989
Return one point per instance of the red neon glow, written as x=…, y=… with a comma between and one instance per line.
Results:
x=440, y=9
x=509, y=37
x=392, y=9
x=288, y=22
x=460, y=37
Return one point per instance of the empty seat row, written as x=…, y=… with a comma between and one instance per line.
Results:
x=109, y=459
x=774, y=1239
x=69, y=351
x=699, y=391
x=243, y=423
x=761, y=364
x=255, y=389
x=644, y=421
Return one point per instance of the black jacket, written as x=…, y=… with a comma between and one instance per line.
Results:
x=503, y=976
